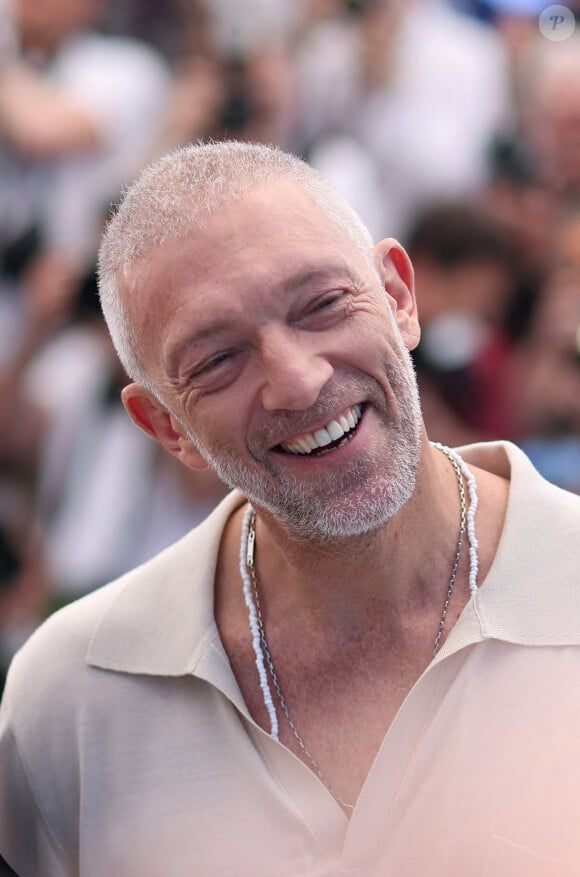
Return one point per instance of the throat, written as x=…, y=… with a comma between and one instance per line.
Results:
x=341, y=699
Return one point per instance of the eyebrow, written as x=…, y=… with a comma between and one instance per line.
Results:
x=311, y=275
x=293, y=282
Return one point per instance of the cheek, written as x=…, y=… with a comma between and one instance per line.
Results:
x=218, y=422
x=378, y=339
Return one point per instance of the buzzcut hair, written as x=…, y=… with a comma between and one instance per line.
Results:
x=176, y=195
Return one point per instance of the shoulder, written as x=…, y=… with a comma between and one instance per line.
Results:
x=531, y=594
x=156, y=592
x=58, y=703
x=508, y=461
x=543, y=517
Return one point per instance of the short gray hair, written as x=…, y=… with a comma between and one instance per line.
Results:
x=177, y=194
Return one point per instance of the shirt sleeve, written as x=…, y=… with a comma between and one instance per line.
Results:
x=26, y=840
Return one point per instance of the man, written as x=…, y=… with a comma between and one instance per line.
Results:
x=344, y=669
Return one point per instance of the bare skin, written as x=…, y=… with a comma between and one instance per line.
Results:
x=249, y=358
x=349, y=645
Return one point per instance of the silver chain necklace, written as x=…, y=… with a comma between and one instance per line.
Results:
x=257, y=627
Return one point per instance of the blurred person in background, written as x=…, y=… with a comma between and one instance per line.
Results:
x=536, y=162
x=78, y=112
x=467, y=274
x=420, y=89
x=158, y=24
x=516, y=21
x=550, y=364
x=550, y=113
x=232, y=77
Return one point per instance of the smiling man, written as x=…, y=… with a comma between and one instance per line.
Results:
x=366, y=661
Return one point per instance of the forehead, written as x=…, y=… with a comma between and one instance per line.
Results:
x=272, y=232
x=247, y=264
x=279, y=214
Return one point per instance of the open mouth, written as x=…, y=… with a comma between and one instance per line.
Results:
x=334, y=435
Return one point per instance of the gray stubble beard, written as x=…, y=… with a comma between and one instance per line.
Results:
x=366, y=499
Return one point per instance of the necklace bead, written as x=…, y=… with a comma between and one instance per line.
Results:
x=245, y=564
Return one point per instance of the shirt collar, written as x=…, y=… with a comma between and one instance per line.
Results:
x=160, y=620
x=530, y=595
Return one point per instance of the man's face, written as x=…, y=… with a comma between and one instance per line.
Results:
x=272, y=341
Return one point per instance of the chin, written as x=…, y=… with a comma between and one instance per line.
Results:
x=353, y=515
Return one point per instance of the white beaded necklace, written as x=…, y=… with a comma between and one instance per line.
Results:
x=473, y=503
x=264, y=662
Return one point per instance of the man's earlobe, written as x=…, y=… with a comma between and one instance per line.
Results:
x=398, y=278
x=152, y=417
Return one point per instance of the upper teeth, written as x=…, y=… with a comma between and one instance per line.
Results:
x=327, y=434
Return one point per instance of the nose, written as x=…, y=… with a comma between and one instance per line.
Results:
x=293, y=375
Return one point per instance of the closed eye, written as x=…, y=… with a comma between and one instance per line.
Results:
x=213, y=364
x=328, y=300
x=329, y=306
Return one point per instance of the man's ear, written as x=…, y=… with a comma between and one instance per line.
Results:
x=149, y=414
x=398, y=278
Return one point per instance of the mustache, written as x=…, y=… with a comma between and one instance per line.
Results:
x=332, y=400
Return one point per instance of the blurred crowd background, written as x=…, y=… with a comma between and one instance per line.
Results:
x=454, y=126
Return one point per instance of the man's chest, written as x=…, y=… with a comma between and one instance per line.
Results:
x=332, y=707
x=180, y=779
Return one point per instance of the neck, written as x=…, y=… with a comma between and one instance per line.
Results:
x=379, y=630
x=395, y=565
